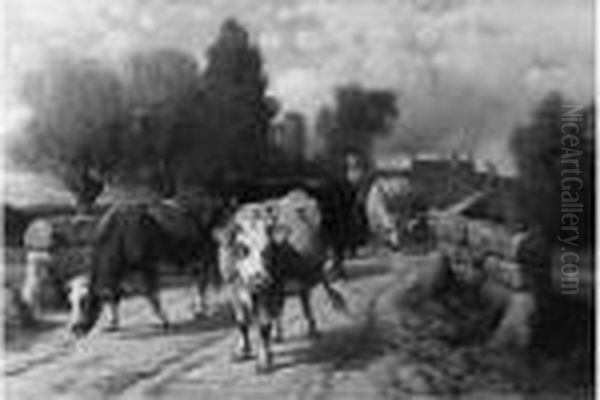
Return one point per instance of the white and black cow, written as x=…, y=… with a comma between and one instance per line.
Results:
x=268, y=250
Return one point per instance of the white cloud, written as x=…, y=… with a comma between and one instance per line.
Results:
x=301, y=88
x=489, y=46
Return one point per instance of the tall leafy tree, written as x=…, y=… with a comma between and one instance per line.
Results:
x=77, y=119
x=238, y=111
x=359, y=116
x=539, y=154
x=162, y=88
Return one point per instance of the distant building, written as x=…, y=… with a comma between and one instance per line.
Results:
x=443, y=179
x=288, y=135
x=400, y=162
x=440, y=179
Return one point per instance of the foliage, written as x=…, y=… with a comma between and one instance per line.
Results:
x=539, y=153
x=237, y=110
x=161, y=89
x=155, y=120
x=359, y=117
x=78, y=118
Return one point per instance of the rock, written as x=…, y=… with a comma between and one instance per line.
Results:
x=495, y=295
x=412, y=379
x=429, y=275
x=493, y=238
x=514, y=275
x=515, y=326
x=60, y=231
x=63, y=245
x=455, y=366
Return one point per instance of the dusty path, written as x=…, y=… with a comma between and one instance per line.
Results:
x=384, y=349
x=193, y=359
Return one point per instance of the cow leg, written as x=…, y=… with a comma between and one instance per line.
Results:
x=242, y=316
x=113, y=314
x=244, y=349
x=308, y=314
x=199, y=287
x=202, y=286
x=339, y=268
x=268, y=310
x=154, y=300
x=277, y=312
x=152, y=294
x=112, y=306
x=265, y=356
x=278, y=329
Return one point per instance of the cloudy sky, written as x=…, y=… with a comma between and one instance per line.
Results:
x=466, y=71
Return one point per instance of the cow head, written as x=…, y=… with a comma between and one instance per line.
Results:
x=85, y=306
x=246, y=246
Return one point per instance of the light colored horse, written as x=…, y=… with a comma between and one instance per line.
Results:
x=388, y=208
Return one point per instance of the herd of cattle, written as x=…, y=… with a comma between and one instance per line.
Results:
x=258, y=243
x=257, y=248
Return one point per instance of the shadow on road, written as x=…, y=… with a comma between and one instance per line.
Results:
x=364, y=269
x=219, y=321
x=21, y=338
x=348, y=347
x=344, y=348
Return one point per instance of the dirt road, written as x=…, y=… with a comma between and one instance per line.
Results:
x=370, y=353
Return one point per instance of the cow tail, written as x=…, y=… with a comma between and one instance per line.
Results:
x=337, y=299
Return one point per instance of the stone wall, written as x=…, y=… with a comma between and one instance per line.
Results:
x=66, y=242
x=488, y=257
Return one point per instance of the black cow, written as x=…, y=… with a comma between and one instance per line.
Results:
x=137, y=238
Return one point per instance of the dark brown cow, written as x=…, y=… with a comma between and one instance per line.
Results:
x=136, y=238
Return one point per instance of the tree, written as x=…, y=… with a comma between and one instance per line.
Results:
x=157, y=121
x=325, y=127
x=238, y=112
x=74, y=133
x=162, y=89
x=539, y=154
x=359, y=117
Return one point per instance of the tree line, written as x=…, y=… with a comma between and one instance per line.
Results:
x=554, y=171
x=158, y=120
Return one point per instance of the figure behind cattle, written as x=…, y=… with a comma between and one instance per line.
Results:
x=265, y=249
x=390, y=204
